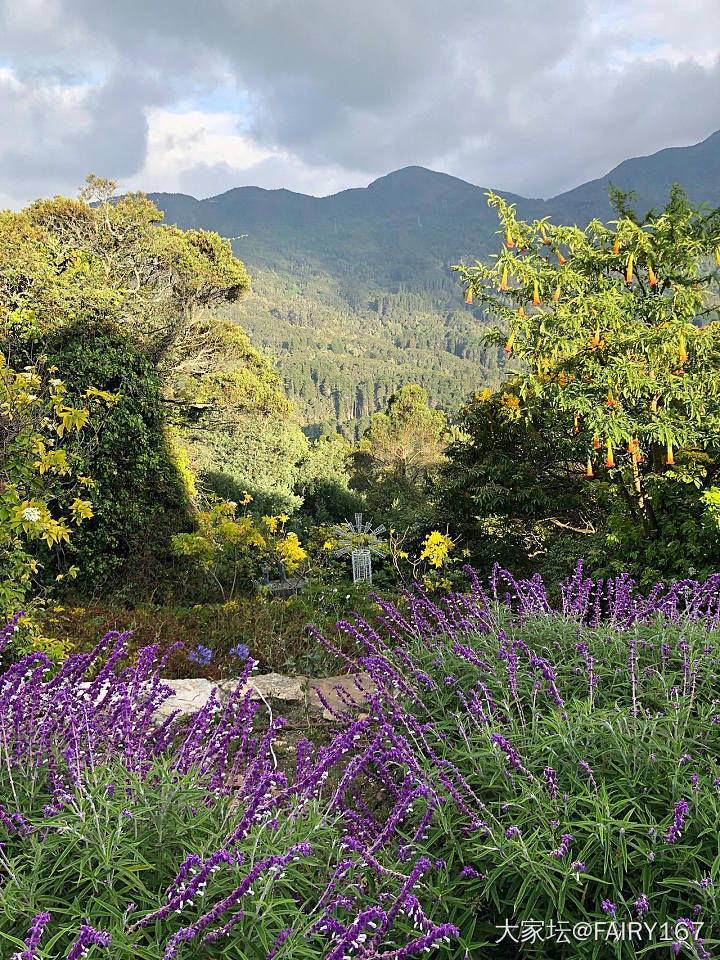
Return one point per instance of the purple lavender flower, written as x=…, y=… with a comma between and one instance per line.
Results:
x=551, y=781
x=642, y=906
x=88, y=936
x=680, y=811
x=513, y=832
x=607, y=906
x=565, y=841
x=32, y=940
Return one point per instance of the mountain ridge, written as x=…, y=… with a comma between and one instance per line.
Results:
x=353, y=293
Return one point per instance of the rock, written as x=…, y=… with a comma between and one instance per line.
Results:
x=338, y=699
x=190, y=696
x=272, y=686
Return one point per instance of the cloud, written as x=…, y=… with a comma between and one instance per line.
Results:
x=317, y=95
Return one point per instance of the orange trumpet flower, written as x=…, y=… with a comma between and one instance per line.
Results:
x=595, y=339
x=536, y=294
x=589, y=470
x=651, y=276
x=469, y=297
x=609, y=460
x=546, y=239
x=576, y=426
x=610, y=398
x=629, y=270
x=510, y=342
x=509, y=242
x=616, y=245
x=556, y=295
x=596, y=442
x=682, y=352
x=503, y=282
x=561, y=259
x=670, y=457
x=717, y=256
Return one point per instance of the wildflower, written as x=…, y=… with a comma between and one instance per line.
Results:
x=513, y=832
x=556, y=295
x=536, y=294
x=578, y=867
x=30, y=514
x=561, y=259
x=504, y=280
x=201, y=654
x=589, y=469
x=680, y=811
x=642, y=907
x=469, y=295
x=609, y=460
x=509, y=242
x=34, y=933
x=652, y=279
x=240, y=651
x=608, y=907
x=616, y=246
x=510, y=342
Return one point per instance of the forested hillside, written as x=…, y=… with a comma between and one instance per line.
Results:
x=354, y=294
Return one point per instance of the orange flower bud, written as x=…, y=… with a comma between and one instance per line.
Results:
x=469, y=297
x=509, y=242
x=521, y=311
x=556, y=295
x=589, y=470
x=536, y=294
x=616, y=245
x=651, y=276
x=609, y=460
x=629, y=270
x=561, y=259
x=503, y=282
x=682, y=351
x=546, y=239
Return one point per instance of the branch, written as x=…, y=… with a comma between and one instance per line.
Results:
x=568, y=526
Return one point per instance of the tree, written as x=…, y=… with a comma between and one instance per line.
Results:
x=407, y=440
x=616, y=329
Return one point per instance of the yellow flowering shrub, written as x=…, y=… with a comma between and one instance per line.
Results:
x=436, y=549
x=40, y=499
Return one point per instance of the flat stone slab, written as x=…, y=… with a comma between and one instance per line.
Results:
x=339, y=693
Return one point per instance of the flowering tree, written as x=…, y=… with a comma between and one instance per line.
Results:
x=39, y=497
x=615, y=326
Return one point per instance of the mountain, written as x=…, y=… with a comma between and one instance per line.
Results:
x=354, y=295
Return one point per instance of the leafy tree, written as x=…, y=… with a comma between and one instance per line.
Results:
x=616, y=327
x=513, y=484
x=139, y=496
x=407, y=440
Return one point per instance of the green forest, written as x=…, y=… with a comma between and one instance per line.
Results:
x=155, y=462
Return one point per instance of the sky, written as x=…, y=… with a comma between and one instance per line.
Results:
x=199, y=96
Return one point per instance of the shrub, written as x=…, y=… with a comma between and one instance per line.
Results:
x=569, y=758
x=159, y=839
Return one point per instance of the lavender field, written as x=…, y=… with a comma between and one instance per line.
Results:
x=521, y=770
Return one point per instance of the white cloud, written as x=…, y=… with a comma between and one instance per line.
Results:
x=317, y=95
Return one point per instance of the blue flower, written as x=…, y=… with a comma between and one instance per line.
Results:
x=240, y=650
x=200, y=654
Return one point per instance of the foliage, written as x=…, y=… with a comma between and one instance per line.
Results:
x=158, y=841
x=568, y=755
x=615, y=326
x=512, y=486
x=42, y=496
x=139, y=494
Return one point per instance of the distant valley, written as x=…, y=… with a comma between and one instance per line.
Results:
x=353, y=294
